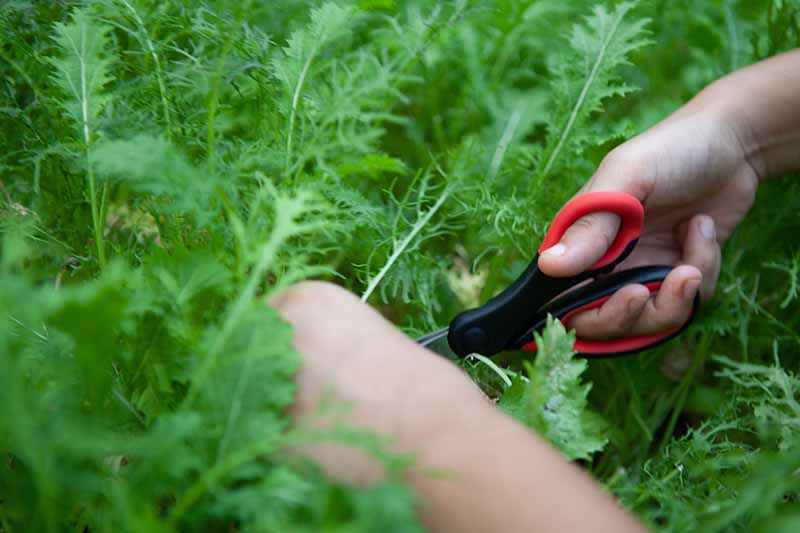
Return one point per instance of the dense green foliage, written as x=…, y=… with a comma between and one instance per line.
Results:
x=165, y=165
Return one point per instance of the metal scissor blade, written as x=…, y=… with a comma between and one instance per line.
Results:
x=437, y=342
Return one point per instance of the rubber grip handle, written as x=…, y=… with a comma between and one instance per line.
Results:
x=627, y=207
x=624, y=345
x=596, y=294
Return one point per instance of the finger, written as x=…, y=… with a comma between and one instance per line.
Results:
x=701, y=249
x=672, y=305
x=615, y=318
x=590, y=236
x=667, y=309
x=582, y=245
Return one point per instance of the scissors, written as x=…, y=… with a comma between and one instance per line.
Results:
x=508, y=320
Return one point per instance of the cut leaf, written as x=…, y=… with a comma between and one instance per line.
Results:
x=554, y=401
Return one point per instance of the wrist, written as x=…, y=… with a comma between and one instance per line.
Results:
x=761, y=103
x=721, y=102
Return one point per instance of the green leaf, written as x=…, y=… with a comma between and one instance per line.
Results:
x=328, y=23
x=91, y=315
x=152, y=165
x=585, y=76
x=516, y=399
x=82, y=70
x=554, y=401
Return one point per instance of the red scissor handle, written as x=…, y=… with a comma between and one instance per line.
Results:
x=596, y=294
x=507, y=320
x=627, y=207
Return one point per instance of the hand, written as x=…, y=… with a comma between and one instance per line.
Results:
x=472, y=462
x=366, y=375
x=696, y=185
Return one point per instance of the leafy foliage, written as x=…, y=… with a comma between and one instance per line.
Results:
x=732, y=466
x=553, y=402
x=82, y=73
x=166, y=165
x=585, y=77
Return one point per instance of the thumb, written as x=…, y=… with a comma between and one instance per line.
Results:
x=581, y=246
x=588, y=238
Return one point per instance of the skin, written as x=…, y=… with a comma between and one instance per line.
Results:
x=696, y=174
x=475, y=468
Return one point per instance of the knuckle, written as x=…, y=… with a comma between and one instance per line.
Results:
x=634, y=172
x=310, y=296
x=706, y=263
x=592, y=324
x=620, y=326
x=613, y=161
x=608, y=240
x=749, y=187
x=584, y=223
x=670, y=319
x=596, y=223
x=645, y=180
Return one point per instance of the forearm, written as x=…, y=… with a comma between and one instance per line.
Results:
x=496, y=475
x=762, y=102
x=476, y=469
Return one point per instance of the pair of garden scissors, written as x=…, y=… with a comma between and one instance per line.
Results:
x=507, y=321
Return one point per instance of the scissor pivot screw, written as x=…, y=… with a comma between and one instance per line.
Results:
x=475, y=339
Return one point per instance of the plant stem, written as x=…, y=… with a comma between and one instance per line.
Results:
x=97, y=222
x=162, y=89
x=508, y=134
x=295, y=101
x=213, y=102
x=562, y=139
x=496, y=369
x=97, y=211
x=685, y=386
x=400, y=248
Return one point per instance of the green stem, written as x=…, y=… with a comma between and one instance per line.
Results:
x=213, y=475
x=213, y=102
x=295, y=103
x=162, y=88
x=594, y=73
x=685, y=386
x=268, y=252
x=402, y=245
x=97, y=211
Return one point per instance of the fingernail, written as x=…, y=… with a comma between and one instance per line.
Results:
x=707, y=229
x=690, y=287
x=558, y=249
x=635, y=305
